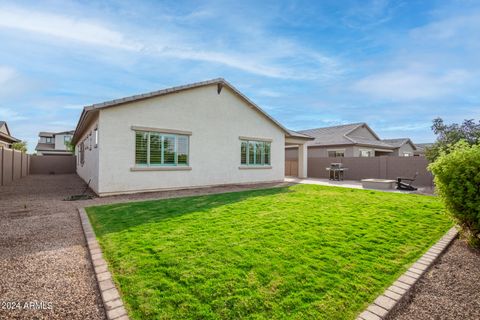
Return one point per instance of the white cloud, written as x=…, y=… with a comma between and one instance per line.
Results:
x=7, y=114
x=69, y=28
x=73, y=107
x=464, y=28
x=411, y=84
x=281, y=58
x=6, y=74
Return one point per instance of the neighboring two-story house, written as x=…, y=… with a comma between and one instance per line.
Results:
x=6, y=138
x=51, y=143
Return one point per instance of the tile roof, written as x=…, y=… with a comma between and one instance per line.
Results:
x=339, y=135
x=398, y=142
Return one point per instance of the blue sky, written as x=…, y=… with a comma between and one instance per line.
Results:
x=393, y=64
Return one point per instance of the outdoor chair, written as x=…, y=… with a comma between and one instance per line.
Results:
x=406, y=183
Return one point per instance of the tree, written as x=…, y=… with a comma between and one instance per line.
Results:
x=449, y=135
x=21, y=146
x=457, y=181
x=70, y=146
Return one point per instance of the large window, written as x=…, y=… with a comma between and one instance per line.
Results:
x=160, y=149
x=255, y=153
x=366, y=153
x=340, y=153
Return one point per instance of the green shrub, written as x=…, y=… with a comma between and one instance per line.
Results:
x=457, y=179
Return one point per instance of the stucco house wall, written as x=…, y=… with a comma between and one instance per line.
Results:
x=318, y=152
x=406, y=148
x=60, y=142
x=216, y=122
x=89, y=170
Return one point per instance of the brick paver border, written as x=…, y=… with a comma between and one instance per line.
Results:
x=111, y=298
x=391, y=298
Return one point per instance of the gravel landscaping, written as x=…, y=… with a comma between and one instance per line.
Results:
x=449, y=290
x=43, y=256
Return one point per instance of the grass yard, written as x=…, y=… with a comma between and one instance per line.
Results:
x=300, y=252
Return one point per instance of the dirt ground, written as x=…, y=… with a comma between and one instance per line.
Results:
x=449, y=290
x=45, y=269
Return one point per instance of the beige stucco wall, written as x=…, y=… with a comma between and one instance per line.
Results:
x=216, y=122
x=319, y=152
x=89, y=170
x=356, y=151
x=407, y=147
x=60, y=141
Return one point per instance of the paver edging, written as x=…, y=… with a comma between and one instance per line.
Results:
x=112, y=301
x=385, y=303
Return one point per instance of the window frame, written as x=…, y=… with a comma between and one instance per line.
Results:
x=370, y=152
x=342, y=151
x=254, y=143
x=162, y=136
x=95, y=137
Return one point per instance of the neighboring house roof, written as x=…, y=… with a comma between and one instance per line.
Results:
x=399, y=142
x=51, y=134
x=340, y=135
x=3, y=123
x=220, y=82
x=420, y=147
x=46, y=134
x=66, y=132
x=7, y=137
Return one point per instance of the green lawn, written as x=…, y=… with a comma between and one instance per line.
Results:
x=302, y=252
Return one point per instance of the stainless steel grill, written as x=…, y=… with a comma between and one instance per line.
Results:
x=336, y=171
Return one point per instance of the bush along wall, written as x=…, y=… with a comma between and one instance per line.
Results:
x=457, y=180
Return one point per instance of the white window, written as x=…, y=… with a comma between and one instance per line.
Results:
x=96, y=137
x=161, y=149
x=82, y=153
x=336, y=153
x=67, y=138
x=255, y=153
x=407, y=154
x=48, y=140
x=366, y=153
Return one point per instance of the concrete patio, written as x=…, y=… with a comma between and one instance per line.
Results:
x=355, y=184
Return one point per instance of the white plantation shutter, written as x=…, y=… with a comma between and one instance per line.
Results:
x=182, y=150
x=243, y=152
x=255, y=153
x=141, y=147
x=158, y=149
x=155, y=148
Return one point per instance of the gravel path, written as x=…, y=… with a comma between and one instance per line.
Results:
x=43, y=255
x=450, y=290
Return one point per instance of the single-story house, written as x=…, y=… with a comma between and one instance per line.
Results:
x=404, y=147
x=54, y=143
x=6, y=139
x=420, y=149
x=201, y=134
x=350, y=140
